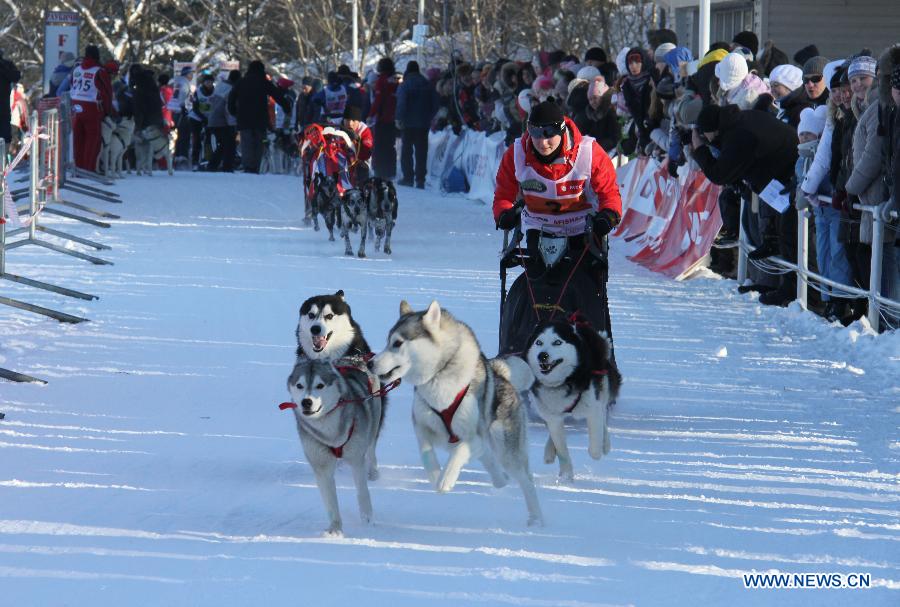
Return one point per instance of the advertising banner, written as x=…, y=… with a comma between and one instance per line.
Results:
x=60, y=36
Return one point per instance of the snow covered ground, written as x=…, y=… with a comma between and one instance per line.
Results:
x=156, y=469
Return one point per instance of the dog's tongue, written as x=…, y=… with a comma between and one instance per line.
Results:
x=319, y=341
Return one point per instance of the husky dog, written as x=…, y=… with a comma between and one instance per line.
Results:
x=325, y=201
x=150, y=144
x=107, y=126
x=574, y=377
x=353, y=215
x=327, y=331
x=118, y=143
x=462, y=401
x=381, y=199
x=335, y=423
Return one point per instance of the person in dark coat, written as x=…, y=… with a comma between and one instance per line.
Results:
x=383, y=112
x=146, y=102
x=249, y=102
x=416, y=105
x=754, y=147
x=9, y=75
x=636, y=89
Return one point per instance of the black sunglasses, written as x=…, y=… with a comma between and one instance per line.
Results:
x=813, y=79
x=545, y=131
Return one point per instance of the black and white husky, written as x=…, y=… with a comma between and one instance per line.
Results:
x=353, y=216
x=336, y=420
x=574, y=377
x=382, y=205
x=462, y=402
x=325, y=201
x=326, y=330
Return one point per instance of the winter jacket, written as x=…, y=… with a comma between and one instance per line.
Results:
x=821, y=164
x=601, y=123
x=18, y=109
x=792, y=104
x=248, y=100
x=602, y=181
x=754, y=146
x=218, y=116
x=416, y=101
x=865, y=180
x=180, y=100
x=637, y=100
x=384, y=104
x=101, y=83
x=60, y=73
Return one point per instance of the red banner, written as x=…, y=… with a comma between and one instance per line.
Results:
x=669, y=224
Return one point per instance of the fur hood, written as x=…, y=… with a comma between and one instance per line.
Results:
x=890, y=59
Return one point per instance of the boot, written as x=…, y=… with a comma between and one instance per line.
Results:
x=768, y=249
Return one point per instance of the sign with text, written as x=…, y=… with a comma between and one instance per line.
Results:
x=60, y=36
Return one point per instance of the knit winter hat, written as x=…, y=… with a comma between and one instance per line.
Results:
x=731, y=71
x=812, y=120
x=712, y=57
x=595, y=54
x=708, y=119
x=787, y=75
x=815, y=66
x=573, y=83
x=688, y=109
x=806, y=53
x=829, y=72
x=659, y=55
x=353, y=112
x=677, y=56
x=67, y=59
x=748, y=40
x=588, y=72
x=862, y=66
x=546, y=113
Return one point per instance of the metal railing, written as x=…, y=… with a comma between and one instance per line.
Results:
x=806, y=277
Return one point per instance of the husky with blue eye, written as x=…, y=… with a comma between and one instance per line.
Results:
x=574, y=377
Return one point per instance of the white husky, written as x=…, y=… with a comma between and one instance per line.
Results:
x=463, y=402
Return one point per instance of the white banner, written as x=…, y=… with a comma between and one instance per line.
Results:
x=60, y=36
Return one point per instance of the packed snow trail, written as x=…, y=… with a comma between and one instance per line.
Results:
x=156, y=469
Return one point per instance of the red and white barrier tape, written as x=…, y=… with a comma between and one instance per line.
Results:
x=10, y=213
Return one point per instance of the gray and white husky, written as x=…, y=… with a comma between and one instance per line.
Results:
x=574, y=377
x=382, y=207
x=151, y=143
x=462, y=401
x=336, y=421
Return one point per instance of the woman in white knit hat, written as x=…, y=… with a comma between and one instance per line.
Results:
x=737, y=84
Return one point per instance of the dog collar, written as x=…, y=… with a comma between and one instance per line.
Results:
x=447, y=414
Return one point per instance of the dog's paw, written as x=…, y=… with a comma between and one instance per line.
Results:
x=349, y=253
x=549, y=451
x=566, y=476
x=535, y=521
x=374, y=474
x=500, y=481
x=595, y=451
x=387, y=250
x=361, y=254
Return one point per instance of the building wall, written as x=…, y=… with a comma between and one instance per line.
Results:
x=838, y=28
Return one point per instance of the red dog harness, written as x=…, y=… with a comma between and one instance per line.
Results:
x=447, y=414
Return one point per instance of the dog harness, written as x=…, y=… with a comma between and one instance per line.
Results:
x=339, y=451
x=447, y=414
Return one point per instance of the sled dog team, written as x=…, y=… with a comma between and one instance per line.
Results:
x=463, y=402
x=370, y=210
x=150, y=144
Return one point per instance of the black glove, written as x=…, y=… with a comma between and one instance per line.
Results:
x=605, y=221
x=508, y=219
x=672, y=168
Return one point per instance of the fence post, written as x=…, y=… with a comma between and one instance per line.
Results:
x=875, y=273
x=802, y=257
x=742, y=255
x=3, y=210
x=35, y=175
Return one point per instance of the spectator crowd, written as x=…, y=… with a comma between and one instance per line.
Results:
x=822, y=133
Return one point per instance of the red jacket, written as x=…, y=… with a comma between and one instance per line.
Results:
x=365, y=143
x=603, y=174
x=104, y=87
x=384, y=106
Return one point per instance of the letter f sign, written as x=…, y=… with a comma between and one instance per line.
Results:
x=62, y=39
